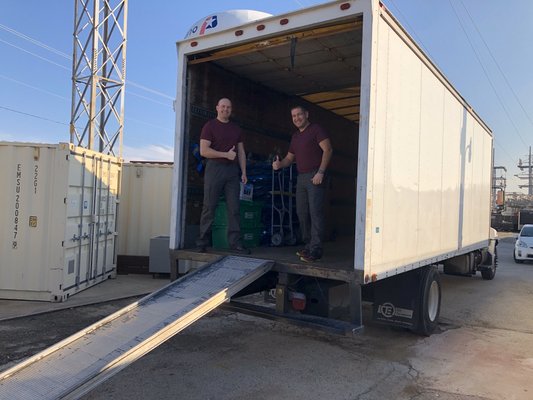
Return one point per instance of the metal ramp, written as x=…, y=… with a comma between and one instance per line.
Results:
x=79, y=363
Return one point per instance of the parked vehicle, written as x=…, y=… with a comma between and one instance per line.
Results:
x=523, y=248
x=411, y=170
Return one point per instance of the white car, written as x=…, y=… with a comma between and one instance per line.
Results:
x=523, y=248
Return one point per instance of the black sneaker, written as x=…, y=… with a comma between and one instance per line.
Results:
x=239, y=249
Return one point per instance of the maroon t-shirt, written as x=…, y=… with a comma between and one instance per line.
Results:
x=304, y=146
x=223, y=136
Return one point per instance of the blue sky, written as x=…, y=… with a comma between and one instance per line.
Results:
x=35, y=82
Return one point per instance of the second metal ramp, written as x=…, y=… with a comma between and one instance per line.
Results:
x=79, y=363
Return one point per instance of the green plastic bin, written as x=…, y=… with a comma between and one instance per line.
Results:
x=250, y=237
x=250, y=214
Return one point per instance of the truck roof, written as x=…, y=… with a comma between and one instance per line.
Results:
x=276, y=51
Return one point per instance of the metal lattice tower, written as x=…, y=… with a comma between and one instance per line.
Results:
x=526, y=164
x=98, y=75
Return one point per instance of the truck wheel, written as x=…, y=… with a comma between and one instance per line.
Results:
x=489, y=273
x=429, y=301
x=277, y=239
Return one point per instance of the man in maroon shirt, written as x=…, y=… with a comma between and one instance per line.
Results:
x=311, y=149
x=221, y=142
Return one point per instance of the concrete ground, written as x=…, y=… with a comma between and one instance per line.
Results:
x=483, y=350
x=123, y=286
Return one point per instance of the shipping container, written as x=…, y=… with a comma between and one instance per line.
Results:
x=145, y=194
x=58, y=212
x=412, y=161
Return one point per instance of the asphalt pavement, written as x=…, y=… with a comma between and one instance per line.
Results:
x=483, y=350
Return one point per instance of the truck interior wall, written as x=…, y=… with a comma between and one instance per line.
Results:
x=264, y=115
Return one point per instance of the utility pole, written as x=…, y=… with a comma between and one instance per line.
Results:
x=499, y=183
x=528, y=166
x=99, y=75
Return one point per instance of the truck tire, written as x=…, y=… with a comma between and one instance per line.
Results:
x=276, y=239
x=489, y=273
x=429, y=301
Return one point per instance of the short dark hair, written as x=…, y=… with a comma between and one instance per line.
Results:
x=303, y=108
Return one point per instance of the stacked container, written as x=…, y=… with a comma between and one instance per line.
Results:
x=144, y=205
x=58, y=211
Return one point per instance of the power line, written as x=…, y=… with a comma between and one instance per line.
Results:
x=68, y=69
x=146, y=98
x=33, y=87
x=486, y=73
x=68, y=57
x=511, y=159
x=411, y=29
x=497, y=64
x=35, y=41
x=131, y=83
x=65, y=98
x=35, y=55
x=33, y=115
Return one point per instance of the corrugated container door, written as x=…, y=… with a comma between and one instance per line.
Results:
x=105, y=218
x=89, y=248
x=30, y=222
x=79, y=216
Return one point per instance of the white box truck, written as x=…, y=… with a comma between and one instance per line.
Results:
x=412, y=162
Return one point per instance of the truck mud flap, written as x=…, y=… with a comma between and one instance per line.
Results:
x=410, y=300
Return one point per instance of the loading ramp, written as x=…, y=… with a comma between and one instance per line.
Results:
x=74, y=366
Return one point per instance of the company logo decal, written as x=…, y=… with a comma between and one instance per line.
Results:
x=388, y=310
x=209, y=23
